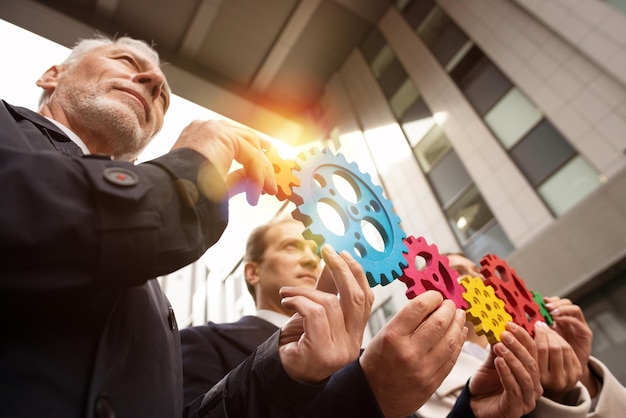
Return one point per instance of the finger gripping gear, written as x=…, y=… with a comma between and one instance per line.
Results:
x=282, y=173
x=543, y=309
x=510, y=288
x=322, y=176
x=485, y=309
x=436, y=275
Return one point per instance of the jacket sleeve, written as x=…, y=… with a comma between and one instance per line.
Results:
x=76, y=221
x=611, y=400
x=462, y=406
x=258, y=387
x=203, y=363
x=347, y=393
x=575, y=405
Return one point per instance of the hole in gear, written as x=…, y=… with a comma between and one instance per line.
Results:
x=331, y=217
x=372, y=235
x=345, y=186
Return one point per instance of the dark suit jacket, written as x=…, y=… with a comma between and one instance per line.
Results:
x=211, y=351
x=87, y=331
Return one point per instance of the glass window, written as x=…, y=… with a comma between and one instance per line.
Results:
x=381, y=315
x=512, y=117
x=605, y=312
x=466, y=62
x=449, y=178
x=417, y=11
x=569, y=185
x=382, y=61
x=620, y=4
x=392, y=78
x=431, y=148
x=443, y=36
x=492, y=240
x=406, y=95
x=484, y=85
x=373, y=45
x=541, y=152
x=417, y=121
x=459, y=56
x=468, y=215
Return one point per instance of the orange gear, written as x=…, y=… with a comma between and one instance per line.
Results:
x=282, y=173
x=485, y=309
x=510, y=288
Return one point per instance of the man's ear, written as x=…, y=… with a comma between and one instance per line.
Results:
x=49, y=79
x=251, y=273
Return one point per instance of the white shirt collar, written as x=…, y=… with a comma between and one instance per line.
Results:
x=275, y=318
x=71, y=135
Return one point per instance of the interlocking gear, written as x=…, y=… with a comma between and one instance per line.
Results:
x=282, y=173
x=320, y=173
x=543, y=309
x=485, y=309
x=435, y=275
x=510, y=288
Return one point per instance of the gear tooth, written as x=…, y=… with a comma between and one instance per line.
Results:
x=485, y=310
x=543, y=309
x=296, y=197
x=520, y=303
x=370, y=279
x=319, y=240
x=299, y=216
x=436, y=275
x=323, y=164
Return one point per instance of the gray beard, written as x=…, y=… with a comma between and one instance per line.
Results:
x=114, y=122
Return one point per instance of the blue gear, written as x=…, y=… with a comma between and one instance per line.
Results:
x=315, y=170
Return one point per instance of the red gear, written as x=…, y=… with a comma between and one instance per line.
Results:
x=520, y=303
x=437, y=275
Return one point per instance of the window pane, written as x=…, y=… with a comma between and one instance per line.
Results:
x=389, y=309
x=460, y=55
x=569, y=185
x=512, y=117
x=468, y=61
x=381, y=62
x=620, y=4
x=417, y=11
x=541, y=152
x=392, y=78
x=406, y=95
x=434, y=145
x=492, y=240
x=417, y=121
x=373, y=44
x=443, y=37
x=449, y=178
x=376, y=321
x=484, y=86
x=468, y=215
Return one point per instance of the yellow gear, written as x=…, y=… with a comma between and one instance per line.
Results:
x=485, y=309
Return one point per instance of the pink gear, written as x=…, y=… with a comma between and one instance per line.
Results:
x=436, y=275
x=520, y=303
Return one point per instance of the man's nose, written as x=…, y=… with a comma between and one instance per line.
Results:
x=310, y=259
x=154, y=81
